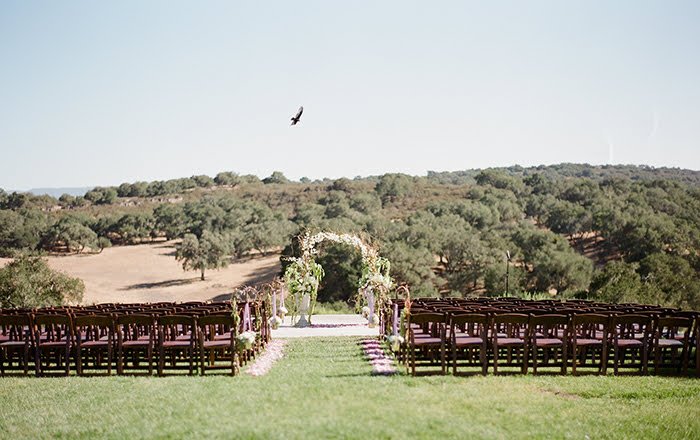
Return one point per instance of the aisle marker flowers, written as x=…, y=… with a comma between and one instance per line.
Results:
x=381, y=364
x=264, y=362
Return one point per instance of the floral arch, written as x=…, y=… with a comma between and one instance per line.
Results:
x=303, y=276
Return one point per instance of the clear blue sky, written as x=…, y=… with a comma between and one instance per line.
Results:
x=99, y=93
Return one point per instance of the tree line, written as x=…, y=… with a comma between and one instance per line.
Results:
x=620, y=234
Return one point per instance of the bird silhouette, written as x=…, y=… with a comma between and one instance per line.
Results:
x=295, y=119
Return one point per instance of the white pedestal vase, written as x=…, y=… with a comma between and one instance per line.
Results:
x=304, y=311
x=372, y=320
x=282, y=311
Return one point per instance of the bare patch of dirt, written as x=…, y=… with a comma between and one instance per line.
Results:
x=149, y=273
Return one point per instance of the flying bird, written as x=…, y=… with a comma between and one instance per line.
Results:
x=295, y=119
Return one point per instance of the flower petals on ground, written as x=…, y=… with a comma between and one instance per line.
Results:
x=336, y=325
x=264, y=362
x=381, y=364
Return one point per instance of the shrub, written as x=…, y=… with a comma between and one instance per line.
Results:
x=28, y=281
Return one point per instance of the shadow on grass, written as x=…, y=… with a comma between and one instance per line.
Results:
x=262, y=275
x=165, y=246
x=167, y=283
x=348, y=375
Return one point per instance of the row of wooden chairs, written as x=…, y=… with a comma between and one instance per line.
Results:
x=128, y=338
x=533, y=334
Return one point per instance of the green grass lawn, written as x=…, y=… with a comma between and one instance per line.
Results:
x=333, y=308
x=323, y=389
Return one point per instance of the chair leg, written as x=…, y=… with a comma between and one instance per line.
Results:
x=454, y=358
x=37, y=361
x=442, y=358
x=604, y=358
x=534, y=358
x=109, y=359
x=67, y=360
x=26, y=359
x=564, y=358
x=525, y=355
x=697, y=348
x=495, y=359
x=657, y=358
x=413, y=360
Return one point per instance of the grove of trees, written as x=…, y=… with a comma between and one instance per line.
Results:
x=615, y=233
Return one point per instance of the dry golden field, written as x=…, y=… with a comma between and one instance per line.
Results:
x=149, y=272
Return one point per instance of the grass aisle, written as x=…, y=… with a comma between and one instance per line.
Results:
x=323, y=389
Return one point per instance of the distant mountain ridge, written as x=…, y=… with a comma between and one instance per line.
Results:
x=583, y=170
x=458, y=177
x=58, y=192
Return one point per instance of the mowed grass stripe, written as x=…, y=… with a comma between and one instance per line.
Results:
x=322, y=388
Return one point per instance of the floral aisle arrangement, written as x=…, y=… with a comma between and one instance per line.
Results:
x=248, y=336
x=276, y=317
x=397, y=336
x=275, y=322
x=282, y=310
x=375, y=284
x=303, y=275
x=395, y=342
x=246, y=340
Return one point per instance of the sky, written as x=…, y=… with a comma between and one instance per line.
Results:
x=100, y=93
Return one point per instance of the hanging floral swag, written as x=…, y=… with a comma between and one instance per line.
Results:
x=303, y=275
x=247, y=338
x=275, y=313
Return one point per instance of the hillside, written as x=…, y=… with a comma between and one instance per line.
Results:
x=618, y=233
x=58, y=192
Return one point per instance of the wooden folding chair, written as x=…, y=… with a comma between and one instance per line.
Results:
x=136, y=339
x=469, y=333
x=53, y=337
x=16, y=343
x=631, y=335
x=217, y=342
x=177, y=336
x=510, y=332
x=426, y=334
x=588, y=334
x=94, y=339
x=548, y=333
x=671, y=336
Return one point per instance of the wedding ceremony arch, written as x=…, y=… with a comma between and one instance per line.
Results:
x=303, y=276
